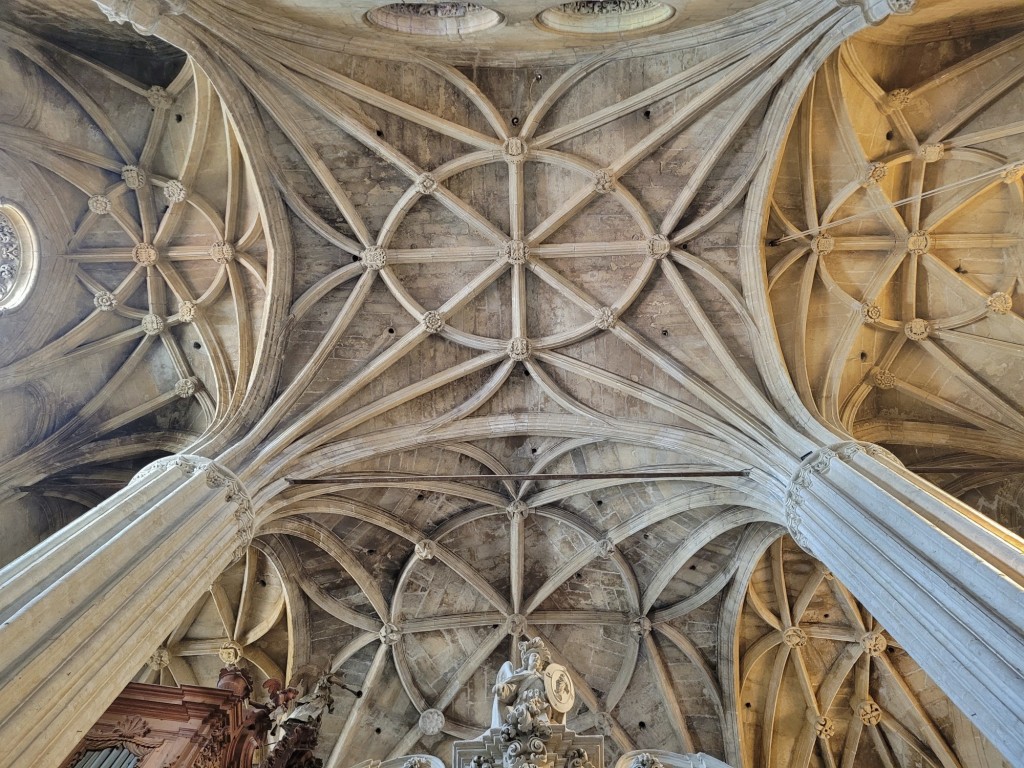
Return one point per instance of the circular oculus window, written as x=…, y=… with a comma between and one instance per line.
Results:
x=18, y=257
x=434, y=19
x=602, y=17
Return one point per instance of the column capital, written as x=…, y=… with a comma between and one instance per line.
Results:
x=217, y=476
x=144, y=15
x=877, y=11
x=818, y=463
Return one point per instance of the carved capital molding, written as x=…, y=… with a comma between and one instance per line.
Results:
x=877, y=11
x=815, y=465
x=216, y=477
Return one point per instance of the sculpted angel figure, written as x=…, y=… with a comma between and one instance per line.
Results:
x=522, y=701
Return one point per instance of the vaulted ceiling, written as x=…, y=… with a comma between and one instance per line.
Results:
x=317, y=264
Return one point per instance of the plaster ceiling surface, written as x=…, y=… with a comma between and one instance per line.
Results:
x=431, y=276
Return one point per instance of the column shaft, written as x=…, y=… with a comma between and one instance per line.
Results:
x=82, y=612
x=948, y=586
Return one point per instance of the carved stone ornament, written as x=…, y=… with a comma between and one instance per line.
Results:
x=431, y=722
x=230, y=652
x=794, y=637
x=99, y=204
x=824, y=727
x=917, y=329
x=133, y=176
x=883, y=379
x=389, y=634
x=823, y=244
x=578, y=758
x=658, y=247
x=144, y=15
x=604, y=182
x=902, y=6
x=932, y=153
x=898, y=99
x=432, y=322
x=516, y=252
x=517, y=510
x=999, y=303
x=437, y=10
x=876, y=172
x=159, y=98
x=869, y=712
x=104, y=301
x=640, y=627
x=222, y=252
x=144, y=254
x=175, y=191
x=514, y=149
x=874, y=643
x=605, y=547
x=919, y=242
x=604, y=7
x=605, y=318
x=152, y=325
x=186, y=388
x=425, y=549
x=518, y=348
x=604, y=722
x=187, y=311
x=426, y=184
x=416, y=762
x=374, y=257
x=515, y=624
x=646, y=760
x=159, y=660
x=1013, y=174
x=870, y=313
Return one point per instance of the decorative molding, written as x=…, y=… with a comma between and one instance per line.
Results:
x=374, y=257
x=222, y=252
x=514, y=149
x=932, y=153
x=152, y=324
x=187, y=311
x=517, y=510
x=159, y=98
x=133, y=177
x=919, y=242
x=99, y=204
x=389, y=634
x=518, y=348
x=186, y=388
x=870, y=312
x=658, y=247
x=175, y=191
x=516, y=252
x=145, y=254
x=875, y=173
x=425, y=549
x=426, y=184
x=104, y=301
x=605, y=318
x=823, y=244
x=431, y=722
x=794, y=637
x=917, y=329
x=999, y=303
x=604, y=181
x=432, y=321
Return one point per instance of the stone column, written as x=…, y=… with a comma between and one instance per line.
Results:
x=945, y=581
x=82, y=612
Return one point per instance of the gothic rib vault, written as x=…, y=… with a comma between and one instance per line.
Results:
x=429, y=265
